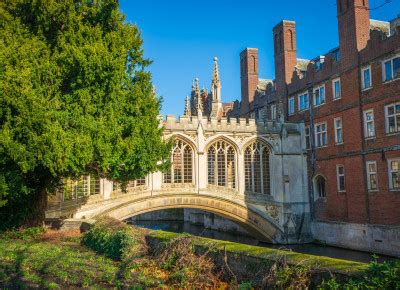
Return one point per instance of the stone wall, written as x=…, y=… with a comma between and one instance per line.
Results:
x=363, y=237
x=213, y=221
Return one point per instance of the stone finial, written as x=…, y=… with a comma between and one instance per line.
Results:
x=216, y=83
x=187, y=107
x=197, y=87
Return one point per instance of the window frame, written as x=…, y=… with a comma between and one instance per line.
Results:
x=319, y=95
x=363, y=87
x=366, y=135
x=336, y=129
x=397, y=125
x=391, y=59
x=289, y=106
x=391, y=188
x=338, y=175
x=369, y=173
x=299, y=101
x=316, y=134
x=334, y=81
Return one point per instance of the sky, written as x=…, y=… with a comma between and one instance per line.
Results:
x=182, y=37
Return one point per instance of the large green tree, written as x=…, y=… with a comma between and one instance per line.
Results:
x=75, y=99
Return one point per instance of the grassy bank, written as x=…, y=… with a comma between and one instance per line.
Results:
x=113, y=254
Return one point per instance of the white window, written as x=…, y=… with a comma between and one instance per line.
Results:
x=307, y=134
x=291, y=106
x=337, y=89
x=341, y=183
x=391, y=69
x=366, y=78
x=394, y=174
x=319, y=96
x=338, y=131
x=273, y=112
x=303, y=102
x=372, y=176
x=369, y=124
x=321, y=138
x=392, y=113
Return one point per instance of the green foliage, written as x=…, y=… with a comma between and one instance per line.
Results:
x=24, y=234
x=115, y=240
x=384, y=275
x=75, y=99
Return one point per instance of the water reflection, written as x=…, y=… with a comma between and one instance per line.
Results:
x=314, y=249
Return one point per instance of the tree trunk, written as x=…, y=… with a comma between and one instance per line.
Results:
x=38, y=208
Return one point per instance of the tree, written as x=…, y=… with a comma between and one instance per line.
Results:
x=75, y=99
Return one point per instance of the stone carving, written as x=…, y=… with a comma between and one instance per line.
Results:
x=273, y=211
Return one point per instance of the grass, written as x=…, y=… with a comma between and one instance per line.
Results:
x=115, y=255
x=52, y=260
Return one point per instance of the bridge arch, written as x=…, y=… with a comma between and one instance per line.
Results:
x=261, y=226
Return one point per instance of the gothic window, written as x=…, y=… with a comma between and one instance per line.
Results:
x=181, y=164
x=256, y=168
x=221, y=164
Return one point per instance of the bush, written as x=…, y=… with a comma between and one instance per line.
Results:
x=115, y=239
x=384, y=275
x=186, y=267
x=24, y=234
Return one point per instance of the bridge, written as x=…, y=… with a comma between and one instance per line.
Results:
x=253, y=173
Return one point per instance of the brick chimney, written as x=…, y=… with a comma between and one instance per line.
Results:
x=248, y=77
x=285, y=54
x=354, y=27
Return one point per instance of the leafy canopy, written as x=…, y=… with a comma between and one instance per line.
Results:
x=75, y=97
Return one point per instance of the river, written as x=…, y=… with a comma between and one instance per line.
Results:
x=314, y=249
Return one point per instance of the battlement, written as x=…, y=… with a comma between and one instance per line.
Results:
x=186, y=123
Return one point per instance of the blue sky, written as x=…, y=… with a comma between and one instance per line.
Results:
x=183, y=36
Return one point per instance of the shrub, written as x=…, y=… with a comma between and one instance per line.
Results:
x=24, y=233
x=115, y=239
x=384, y=275
x=185, y=266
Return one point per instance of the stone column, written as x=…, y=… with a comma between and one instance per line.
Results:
x=155, y=181
x=240, y=172
x=201, y=169
x=106, y=187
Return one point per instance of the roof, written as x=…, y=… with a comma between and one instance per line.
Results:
x=302, y=64
x=263, y=83
x=380, y=26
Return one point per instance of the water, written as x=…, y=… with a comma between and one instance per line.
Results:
x=314, y=249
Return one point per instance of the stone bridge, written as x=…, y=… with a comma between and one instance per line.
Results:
x=251, y=173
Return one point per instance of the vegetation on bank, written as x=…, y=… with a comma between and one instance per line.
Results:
x=75, y=99
x=113, y=254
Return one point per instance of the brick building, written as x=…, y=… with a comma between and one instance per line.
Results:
x=349, y=99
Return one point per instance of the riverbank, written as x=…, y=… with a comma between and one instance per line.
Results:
x=113, y=254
